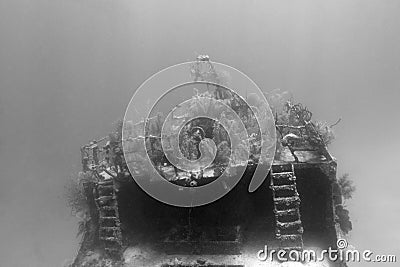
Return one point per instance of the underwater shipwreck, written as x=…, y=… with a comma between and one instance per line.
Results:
x=299, y=205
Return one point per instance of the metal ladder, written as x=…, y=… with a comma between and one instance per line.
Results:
x=289, y=229
x=109, y=222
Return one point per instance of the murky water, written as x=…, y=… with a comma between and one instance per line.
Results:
x=69, y=67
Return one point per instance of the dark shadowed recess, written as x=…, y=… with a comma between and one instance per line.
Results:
x=148, y=221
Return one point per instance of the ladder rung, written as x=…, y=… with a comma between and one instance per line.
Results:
x=283, y=175
x=286, y=225
x=109, y=228
x=109, y=218
x=286, y=212
x=284, y=187
x=105, y=198
x=289, y=237
x=108, y=208
x=284, y=200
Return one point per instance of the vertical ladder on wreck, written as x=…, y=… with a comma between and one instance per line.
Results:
x=94, y=158
x=289, y=229
x=109, y=223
